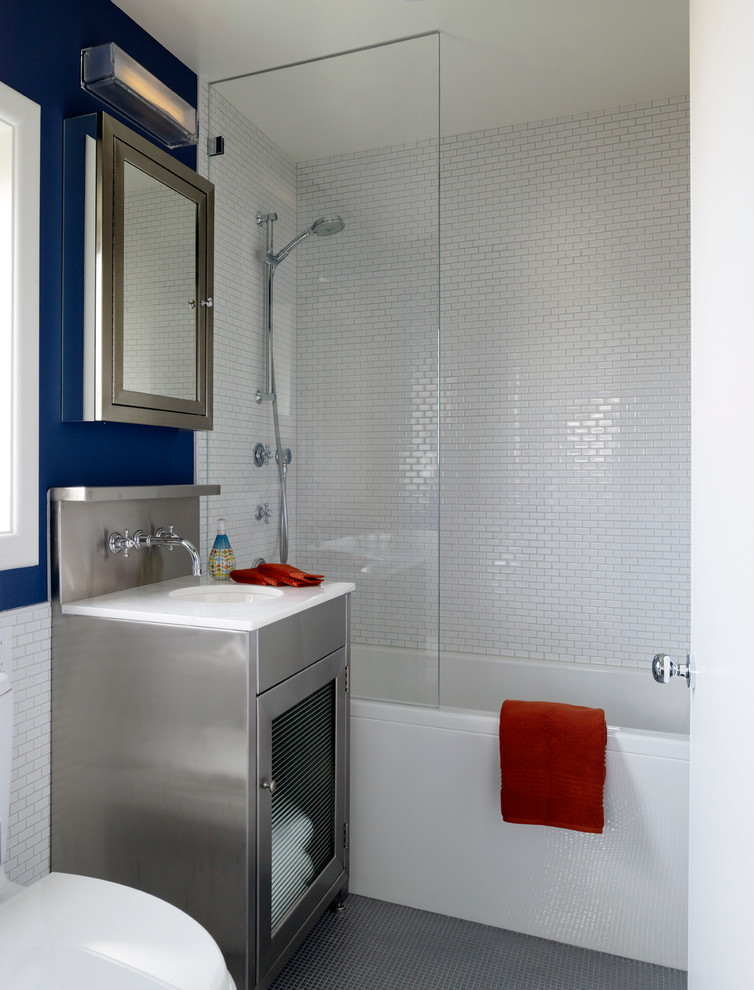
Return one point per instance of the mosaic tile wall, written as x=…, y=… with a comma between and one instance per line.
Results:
x=252, y=176
x=564, y=389
x=367, y=389
x=28, y=852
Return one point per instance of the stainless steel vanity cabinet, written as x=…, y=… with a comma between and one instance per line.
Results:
x=209, y=767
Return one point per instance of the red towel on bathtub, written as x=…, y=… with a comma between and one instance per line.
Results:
x=276, y=575
x=552, y=765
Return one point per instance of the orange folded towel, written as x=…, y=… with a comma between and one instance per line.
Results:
x=552, y=765
x=252, y=575
x=276, y=575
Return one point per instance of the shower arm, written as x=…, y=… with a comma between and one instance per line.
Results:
x=273, y=260
x=269, y=388
x=269, y=377
x=322, y=226
x=271, y=263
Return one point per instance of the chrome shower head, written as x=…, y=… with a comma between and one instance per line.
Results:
x=327, y=225
x=322, y=227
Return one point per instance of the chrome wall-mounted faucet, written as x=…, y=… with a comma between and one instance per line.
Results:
x=166, y=538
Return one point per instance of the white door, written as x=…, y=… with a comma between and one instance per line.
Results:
x=721, y=913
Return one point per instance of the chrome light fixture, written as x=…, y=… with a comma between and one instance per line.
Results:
x=118, y=80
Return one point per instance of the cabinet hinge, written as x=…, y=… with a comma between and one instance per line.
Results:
x=345, y=836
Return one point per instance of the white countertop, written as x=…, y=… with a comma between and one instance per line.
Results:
x=152, y=603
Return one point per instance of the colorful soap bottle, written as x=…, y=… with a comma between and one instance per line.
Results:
x=221, y=559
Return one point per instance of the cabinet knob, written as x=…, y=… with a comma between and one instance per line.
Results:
x=269, y=785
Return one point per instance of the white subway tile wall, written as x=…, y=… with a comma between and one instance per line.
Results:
x=563, y=389
x=367, y=389
x=252, y=176
x=27, y=857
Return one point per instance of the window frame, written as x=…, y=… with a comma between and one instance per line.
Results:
x=19, y=546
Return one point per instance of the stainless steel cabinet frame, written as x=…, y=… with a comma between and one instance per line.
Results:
x=138, y=280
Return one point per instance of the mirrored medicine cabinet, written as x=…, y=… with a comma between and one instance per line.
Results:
x=137, y=280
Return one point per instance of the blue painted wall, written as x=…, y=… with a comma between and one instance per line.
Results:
x=40, y=45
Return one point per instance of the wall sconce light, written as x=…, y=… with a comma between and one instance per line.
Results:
x=126, y=86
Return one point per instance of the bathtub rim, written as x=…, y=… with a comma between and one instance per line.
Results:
x=644, y=742
x=628, y=693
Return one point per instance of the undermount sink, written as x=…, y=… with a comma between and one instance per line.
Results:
x=225, y=594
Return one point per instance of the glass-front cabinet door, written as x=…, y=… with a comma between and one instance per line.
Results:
x=302, y=813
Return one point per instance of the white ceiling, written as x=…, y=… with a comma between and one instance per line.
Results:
x=503, y=61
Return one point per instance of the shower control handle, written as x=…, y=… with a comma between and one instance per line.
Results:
x=262, y=454
x=263, y=512
x=663, y=669
x=269, y=785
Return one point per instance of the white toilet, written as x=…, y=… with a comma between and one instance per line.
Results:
x=75, y=933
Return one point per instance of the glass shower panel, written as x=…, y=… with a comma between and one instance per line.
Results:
x=367, y=378
x=357, y=329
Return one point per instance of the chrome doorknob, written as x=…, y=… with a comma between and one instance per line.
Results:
x=663, y=668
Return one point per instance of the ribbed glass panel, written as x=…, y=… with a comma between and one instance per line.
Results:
x=303, y=806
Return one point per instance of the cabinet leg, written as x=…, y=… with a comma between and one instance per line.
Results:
x=339, y=903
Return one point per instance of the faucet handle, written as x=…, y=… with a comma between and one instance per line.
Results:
x=120, y=542
x=262, y=454
x=263, y=512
